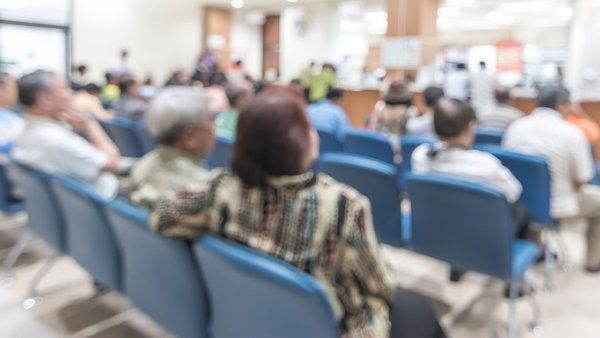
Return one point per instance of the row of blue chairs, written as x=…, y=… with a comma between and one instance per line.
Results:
x=191, y=289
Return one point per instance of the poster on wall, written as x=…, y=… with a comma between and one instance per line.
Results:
x=401, y=52
x=509, y=56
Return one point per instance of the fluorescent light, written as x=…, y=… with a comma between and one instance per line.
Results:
x=292, y=1
x=564, y=13
x=237, y=3
x=500, y=17
x=448, y=11
x=527, y=6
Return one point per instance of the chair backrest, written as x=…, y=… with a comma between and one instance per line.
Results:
x=221, y=154
x=7, y=204
x=329, y=142
x=160, y=274
x=369, y=144
x=534, y=175
x=90, y=238
x=255, y=295
x=465, y=224
x=408, y=145
x=488, y=136
x=147, y=140
x=378, y=182
x=44, y=215
x=125, y=135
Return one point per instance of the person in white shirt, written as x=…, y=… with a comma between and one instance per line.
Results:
x=51, y=142
x=457, y=83
x=546, y=133
x=453, y=156
x=422, y=125
x=482, y=89
x=502, y=115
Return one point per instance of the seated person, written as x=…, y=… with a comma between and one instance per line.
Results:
x=110, y=92
x=319, y=83
x=11, y=124
x=453, y=156
x=51, y=139
x=503, y=114
x=546, y=133
x=182, y=124
x=422, y=125
x=87, y=102
x=391, y=116
x=238, y=95
x=327, y=114
x=274, y=203
x=131, y=105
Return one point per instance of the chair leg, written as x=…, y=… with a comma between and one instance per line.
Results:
x=14, y=254
x=34, y=298
x=564, y=253
x=549, y=263
x=513, y=325
x=536, y=324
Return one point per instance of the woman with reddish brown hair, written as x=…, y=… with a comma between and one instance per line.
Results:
x=274, y=203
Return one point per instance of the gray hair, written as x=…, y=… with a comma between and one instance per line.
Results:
x=174, y=109
x=32, y=84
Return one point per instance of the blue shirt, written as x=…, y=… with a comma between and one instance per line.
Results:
x=328, y=116
x=11, y=127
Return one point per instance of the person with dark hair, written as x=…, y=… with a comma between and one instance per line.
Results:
x=52, y=142
x=274, y=203
x=502, y=115
x=180, y=121
x=79, y=77
x=110, y=92
x=238, y=95
x=454, y=122
x=122, y=67
x=482, y=90
x=457, y=83
x=422, y=125
x=11, y=124
x=87, y=102
x=546, y=133
x=131, y=105
x=321, y=82
x=391, y=117
x=328, y=114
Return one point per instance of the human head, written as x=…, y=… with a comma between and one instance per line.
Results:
x=82, y=69
x=328, y=67
x=398, y=94
x=454, y=122
x=8, y=90
x=44, y=93
x=555, y=97
x=432, y=95
x=502, y=95
x=238, y=95
x=274, y=138
x=334, y=94
x=124, y=54
x=461, y=66
x=92, y=88
x=180, y=117
x=482, y=65
x=129, y=87
x=111, y=78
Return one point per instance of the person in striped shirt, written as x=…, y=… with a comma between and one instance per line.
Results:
x=502, y=115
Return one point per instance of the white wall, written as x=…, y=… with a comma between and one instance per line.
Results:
x=161, y=35
x=246, y=43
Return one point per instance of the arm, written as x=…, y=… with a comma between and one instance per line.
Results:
x=582, y=162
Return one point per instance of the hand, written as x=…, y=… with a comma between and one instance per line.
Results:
x=77, y=121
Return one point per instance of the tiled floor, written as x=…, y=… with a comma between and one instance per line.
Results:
x=471, y=308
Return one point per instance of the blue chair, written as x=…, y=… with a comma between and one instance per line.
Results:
x=147, y=140
x=329, y=142
x=126, y=136
x=90, y=239
x=160, y=274
x=221, y=154
x=369, y=144
x=44, y=219
x=408, y=144
x=470, y=227
x=377, y=181
x=8, y=204
x=488, y=136
x=255, y=295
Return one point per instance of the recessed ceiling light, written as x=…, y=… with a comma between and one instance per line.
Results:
x=237, y=3
x=564, y=13
x=500, y=17
x=292, y=1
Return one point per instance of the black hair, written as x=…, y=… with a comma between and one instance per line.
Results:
x=451, y=117
x=502, y=94
x=334, y=93
x=432, y=95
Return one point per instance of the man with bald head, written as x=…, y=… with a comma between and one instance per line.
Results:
x=60, y=141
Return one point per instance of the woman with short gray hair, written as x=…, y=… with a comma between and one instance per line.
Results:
x=184, y=127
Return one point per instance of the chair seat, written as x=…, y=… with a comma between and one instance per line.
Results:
x=525, y=254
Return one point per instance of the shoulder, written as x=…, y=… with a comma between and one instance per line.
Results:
x=328, y=186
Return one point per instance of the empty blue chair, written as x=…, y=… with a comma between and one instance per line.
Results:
x=221, y=154
x=126, y=136
x=377, y=181
x=470, y=227
x=329, y=142
x=160, y=274
x=369, y=144
x=488, y=136
x=90, y=239
x=257, y=296
x=8, y=204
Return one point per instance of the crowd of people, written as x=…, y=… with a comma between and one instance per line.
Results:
x=270, y=199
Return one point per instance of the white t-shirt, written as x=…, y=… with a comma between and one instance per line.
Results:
x=468, y=165
x=546, y=133
x=49, y=145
